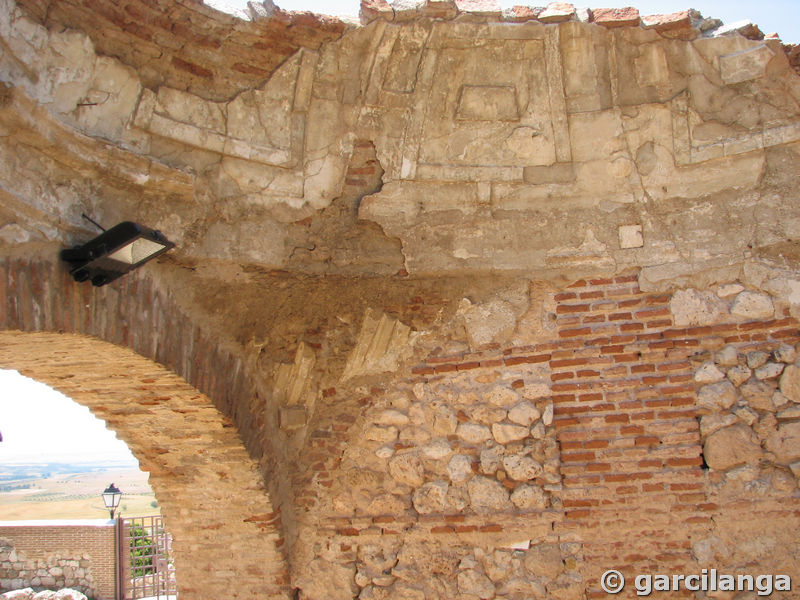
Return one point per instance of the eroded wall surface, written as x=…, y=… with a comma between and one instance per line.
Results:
x=505, y=300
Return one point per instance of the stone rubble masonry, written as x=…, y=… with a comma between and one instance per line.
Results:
x=56, y=556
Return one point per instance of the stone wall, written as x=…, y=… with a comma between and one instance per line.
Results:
x=46, y=556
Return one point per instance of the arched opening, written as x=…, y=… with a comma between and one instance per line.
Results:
x=226, y=541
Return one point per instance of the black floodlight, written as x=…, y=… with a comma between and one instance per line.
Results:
x=115, y=252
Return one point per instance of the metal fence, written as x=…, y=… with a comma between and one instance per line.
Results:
x=145, y=561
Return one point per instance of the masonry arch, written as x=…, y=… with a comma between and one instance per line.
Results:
x=130, y=355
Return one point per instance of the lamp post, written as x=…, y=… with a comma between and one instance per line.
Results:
x=111, y=497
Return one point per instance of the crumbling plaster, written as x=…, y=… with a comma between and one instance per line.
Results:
x=382, y=227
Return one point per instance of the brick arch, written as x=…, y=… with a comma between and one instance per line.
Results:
x=98, y=346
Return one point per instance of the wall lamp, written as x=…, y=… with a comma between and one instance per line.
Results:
x=114, y=252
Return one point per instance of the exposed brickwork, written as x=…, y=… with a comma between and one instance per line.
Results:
x=191, y=461
x=187, y=45
x=90, y=548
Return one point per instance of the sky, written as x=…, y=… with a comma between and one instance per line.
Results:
x=780, y=16
x=40, y=424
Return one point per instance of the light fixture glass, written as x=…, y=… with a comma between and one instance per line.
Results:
x=115, y=252
x=111, y=498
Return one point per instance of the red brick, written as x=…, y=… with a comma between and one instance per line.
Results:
x=631, y=327
x=562, y=309
x=592, y=295
x=565, y=296
x=579, y=283
x=625, y=316
x=568, y=333
x=443, y=529
x=648, y=440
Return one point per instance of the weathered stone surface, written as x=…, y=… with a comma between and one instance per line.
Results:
x=616, y=17
x=544, y=560
x=630, y=236
x=505, y=433
x=487, y=323
x=691, y=307
x=557, y=12
x=708, y=373
x=502, y=396
x=785, y=354
x=431, y=497
x=738, y=375
x=770, y=370
x=717, y=396
x=487, y=495
x=523, y=414
x=384, y=435
x=714, y=422
x=745, y=65
x=790, y=383
x=751, y=305
x=473, y=433
x=23, y=594
x=756, y=359
x=758, y=395
x=731, y=447
x=408, y=469
x=476, y=584
x=521, y=468
x=785, y=443
x=459, y=468
x=529, y=497
x=382, y=344
x=727, y=357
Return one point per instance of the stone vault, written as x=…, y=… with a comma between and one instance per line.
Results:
x=491, y=302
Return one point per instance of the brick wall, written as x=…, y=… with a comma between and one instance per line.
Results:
x=48, y=555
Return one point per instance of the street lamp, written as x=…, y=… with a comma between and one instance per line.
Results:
x=111, y=497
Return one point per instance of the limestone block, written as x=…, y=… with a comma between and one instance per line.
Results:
x=769, y=371
x=437, y=450
x=487, y=323
x=729, y=289
x=714, y=422
x=524, y=414
x=731, y=447
x=382, y=344
x=717, y=396
x=751, y=305
x=111, y=100
x=431, y=497
x=544, y=560
x=547, y=415
x=785, y=353
x=475, y=584
x=746, y=415
x=473, y=433
x=407, y=469
x=487, y=496
x=383, y=435
x=790, y=383
x=727, y=357
x=521, y=468
x=630, y=236
x=738, y=375
x=487, y=415
x=792, y=412
x=392, y=417
x=745, y=65
x=529, y=497
x=491, y=459
x=708, y=373
x=505, y=433
x=459, y=468
x=502, y=396
x=692, y=307
x=785, y=443
x=756, y=359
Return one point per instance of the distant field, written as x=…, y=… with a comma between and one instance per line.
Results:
x=76, y=496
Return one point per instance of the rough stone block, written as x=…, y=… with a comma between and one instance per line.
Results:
x=630, y=236
x=616, y=17
x=557, y=12
x=752, y=305
x=293, y=417
x=732, y=447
